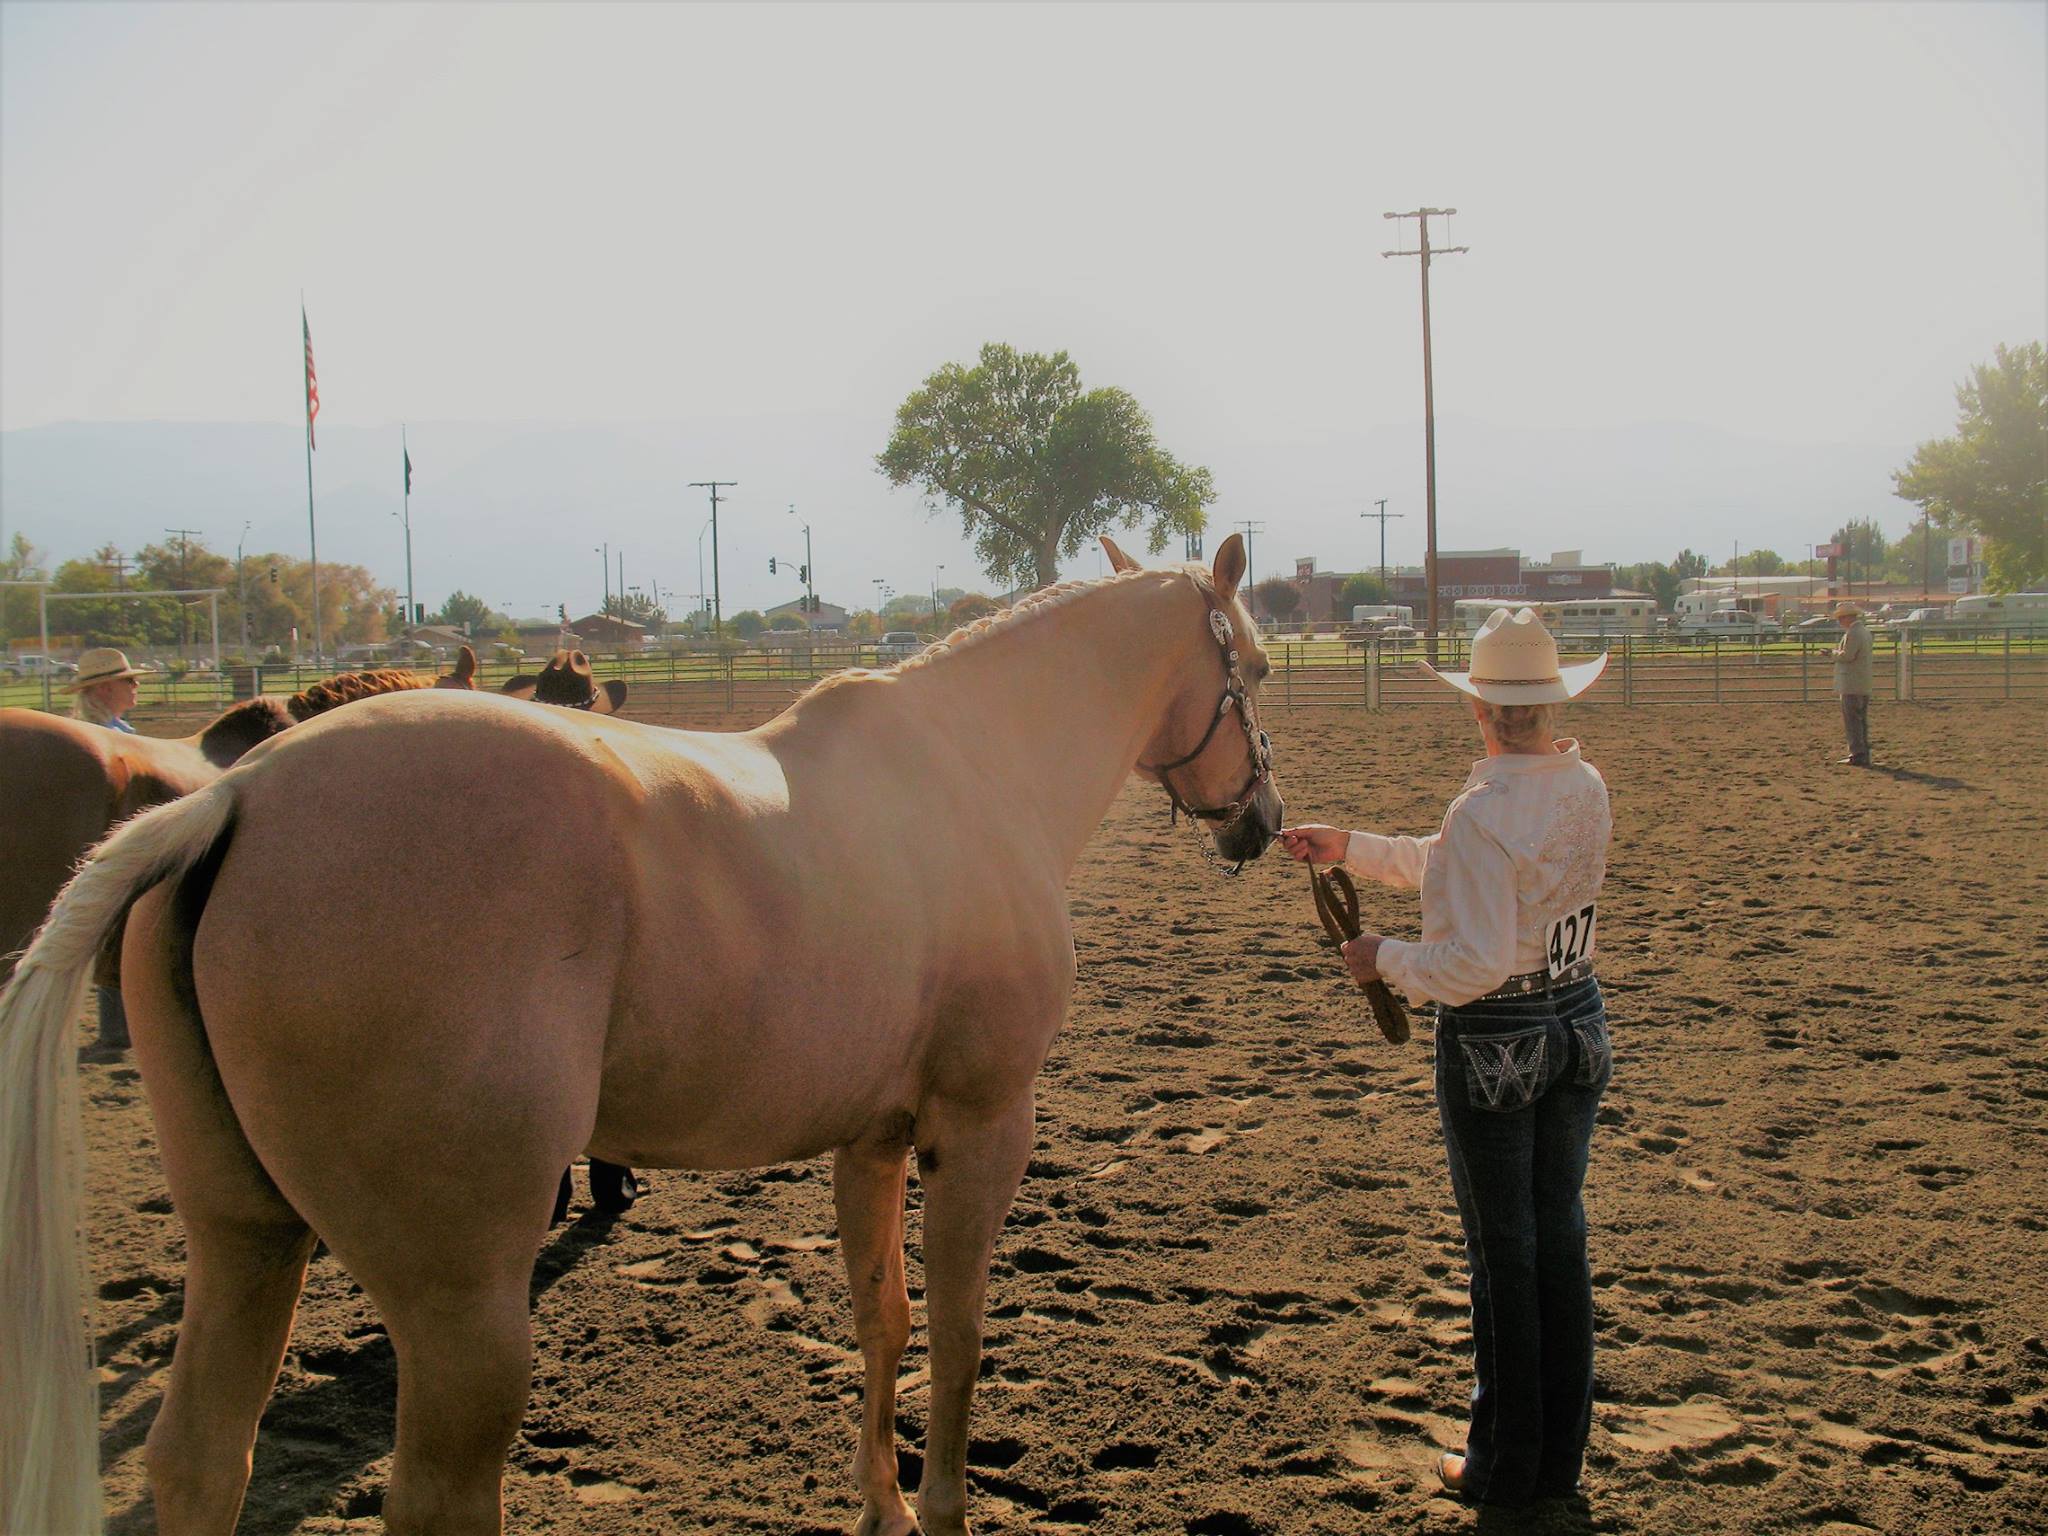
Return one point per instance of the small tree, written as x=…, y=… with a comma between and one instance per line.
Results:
x=1277, y=598
x=1036, y=467
x=463, y=609
x=1688, y=566
x=1359, y=591
x=746, y=624
x=788, y=621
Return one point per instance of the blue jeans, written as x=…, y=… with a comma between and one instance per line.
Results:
x=1518, y=1082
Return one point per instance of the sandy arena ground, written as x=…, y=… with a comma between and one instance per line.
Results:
x=1230, y=1298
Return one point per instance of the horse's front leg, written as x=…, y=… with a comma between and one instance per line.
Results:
x=867, y=1189
x=970, y=1160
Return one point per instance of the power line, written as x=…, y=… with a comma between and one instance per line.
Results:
x=1423, y=249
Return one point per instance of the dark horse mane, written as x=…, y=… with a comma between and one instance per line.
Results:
x=242, y=727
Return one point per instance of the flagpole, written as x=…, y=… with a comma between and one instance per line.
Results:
x=312, y=527
x=406, y=453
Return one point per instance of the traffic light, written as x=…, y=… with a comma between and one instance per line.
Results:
x=803, y=574
x=771, y=565
x=562, y=612
x=273, y=575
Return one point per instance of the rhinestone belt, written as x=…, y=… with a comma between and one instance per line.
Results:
x=1543, y=981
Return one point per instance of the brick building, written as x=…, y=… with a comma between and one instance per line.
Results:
x=1501, y=573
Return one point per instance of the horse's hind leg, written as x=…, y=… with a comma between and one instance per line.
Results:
x=465, y=1364
x=971, y=1161
x=246, y=1248
x=867, y=1190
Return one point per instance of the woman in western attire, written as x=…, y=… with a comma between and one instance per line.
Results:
x=106, y=688
x=1510, y=889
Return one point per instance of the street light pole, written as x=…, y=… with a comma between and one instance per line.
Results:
x=605, y=552
x=935, y=595
x=717, y=602
x=242, y=587
x=700, y=573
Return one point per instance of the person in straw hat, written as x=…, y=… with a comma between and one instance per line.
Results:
x=106, y=688
x=1852, y=683
x=1510, y=903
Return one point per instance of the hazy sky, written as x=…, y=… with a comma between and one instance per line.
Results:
x=1795, y=222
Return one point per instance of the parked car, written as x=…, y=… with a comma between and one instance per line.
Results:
x=1817, y=621
x=898, y=645
x=35, y=665
x=1920, y=616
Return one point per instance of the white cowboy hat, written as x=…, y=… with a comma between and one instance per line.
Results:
x=1514, y=661
x=102, y=664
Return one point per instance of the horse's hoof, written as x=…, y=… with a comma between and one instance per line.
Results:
x=561, y=1211
x=614, y=1188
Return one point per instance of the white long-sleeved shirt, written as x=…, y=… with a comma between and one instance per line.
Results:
x=1522, y=846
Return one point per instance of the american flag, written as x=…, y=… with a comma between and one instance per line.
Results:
x=312, y=379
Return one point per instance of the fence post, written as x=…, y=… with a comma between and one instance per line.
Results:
x=1287, y=684
x=1372, y=674
x=2008, y=663
x=1904, y=686
x=1805, y=653
x=1717, y=668
x=1628, y=676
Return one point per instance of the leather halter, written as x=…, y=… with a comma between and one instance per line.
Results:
x=1235, y=696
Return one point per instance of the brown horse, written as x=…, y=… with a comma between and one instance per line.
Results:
x=67, y=782
x=843, y=931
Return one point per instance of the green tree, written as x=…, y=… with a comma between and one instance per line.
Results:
x=1862, y=542
x=18, y=605
x=1277, y=598
x=1652, y=576
x=465, y=608
x=129, y=622
x=636, y=608
x=1357, y=591
x=1036, y=467
x=747, y=624
x=1688, y=565
x=1992, y=476
x=789, y=621
x=1756, y=562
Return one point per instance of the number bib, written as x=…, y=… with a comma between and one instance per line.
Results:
x=1570, y=939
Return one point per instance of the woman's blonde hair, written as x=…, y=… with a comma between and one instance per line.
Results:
x=1521, y=727
x=91, y=705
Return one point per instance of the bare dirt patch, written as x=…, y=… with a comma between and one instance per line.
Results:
x=1230, y=1297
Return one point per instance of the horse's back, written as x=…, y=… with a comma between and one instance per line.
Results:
x=65, y=783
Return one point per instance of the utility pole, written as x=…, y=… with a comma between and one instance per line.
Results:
x=604, y=553
x=717, y=602
x=1251, y=578
x=120, y=565
x=1423, y=249
x=184, y=580
x=810, y=584
x=242, y=587
x=1382, y=515
x=411, y=611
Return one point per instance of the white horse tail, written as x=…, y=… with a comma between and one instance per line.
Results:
x=49, y=1397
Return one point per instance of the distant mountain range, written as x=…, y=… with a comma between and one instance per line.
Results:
x=514, y=513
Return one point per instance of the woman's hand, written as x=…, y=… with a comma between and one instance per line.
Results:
x=1326, y=845
x=1362, y=956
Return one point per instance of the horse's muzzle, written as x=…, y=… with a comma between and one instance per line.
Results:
x=1252, y=833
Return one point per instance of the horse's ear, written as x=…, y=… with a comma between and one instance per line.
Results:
x=465, y=667
x=1229, y=568
x=1118, y=560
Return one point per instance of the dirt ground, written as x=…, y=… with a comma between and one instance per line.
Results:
x=1230, y=1297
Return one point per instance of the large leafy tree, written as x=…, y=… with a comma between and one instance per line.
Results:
x=1277, y=598
x=1992, y=475
x=1358, y=591
x=1036, y=466
x=467, y=608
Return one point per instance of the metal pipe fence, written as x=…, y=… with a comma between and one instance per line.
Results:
x=1920, y=665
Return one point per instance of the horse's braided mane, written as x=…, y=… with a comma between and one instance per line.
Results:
x=1032, y=605
x=347, y=687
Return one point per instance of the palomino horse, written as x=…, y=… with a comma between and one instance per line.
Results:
x=845, y=930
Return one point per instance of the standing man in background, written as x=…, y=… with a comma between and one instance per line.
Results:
x=1852, y=682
